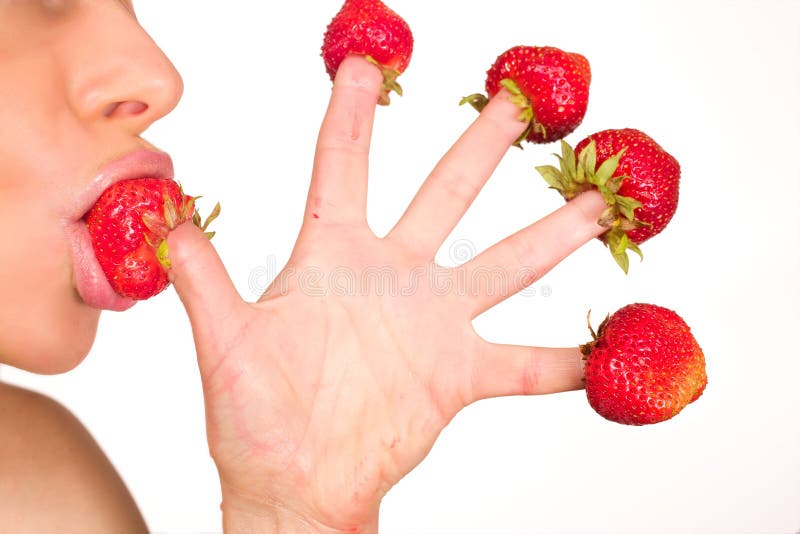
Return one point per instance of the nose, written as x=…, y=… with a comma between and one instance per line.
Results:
x=115, y=72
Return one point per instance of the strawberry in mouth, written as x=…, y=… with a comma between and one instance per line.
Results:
x=128, y=227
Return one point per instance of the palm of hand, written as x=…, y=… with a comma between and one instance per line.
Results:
x=325, y=393
x=363, y=378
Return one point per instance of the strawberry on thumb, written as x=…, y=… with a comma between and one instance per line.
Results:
x=199, y=276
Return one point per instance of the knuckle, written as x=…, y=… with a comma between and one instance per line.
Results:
x=530, y=375
x=459, y=185
x=524, y=253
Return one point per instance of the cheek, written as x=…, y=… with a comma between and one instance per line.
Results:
x=44, y=326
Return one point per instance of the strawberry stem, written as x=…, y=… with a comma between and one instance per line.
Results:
x=198, y=221
x=587, y=348
x=589, y=321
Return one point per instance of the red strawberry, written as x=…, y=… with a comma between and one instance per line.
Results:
x=638, y=179
x=128, y=226
x=369, y=28
x=549, y=85
x=643, y=366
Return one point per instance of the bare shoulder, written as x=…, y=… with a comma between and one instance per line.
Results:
x=53, y=475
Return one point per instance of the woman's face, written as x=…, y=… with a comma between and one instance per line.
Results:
x=79, y=82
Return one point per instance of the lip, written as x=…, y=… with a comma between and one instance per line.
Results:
x=89, y=279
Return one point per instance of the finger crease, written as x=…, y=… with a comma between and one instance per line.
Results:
x=531, y=375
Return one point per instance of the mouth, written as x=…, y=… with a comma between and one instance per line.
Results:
x=89, y=279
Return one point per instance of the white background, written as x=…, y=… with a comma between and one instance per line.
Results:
x=716, y=83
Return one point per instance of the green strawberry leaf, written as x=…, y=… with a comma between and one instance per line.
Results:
x=197, y=220
x=171, y=215
x=163, y=254
x=392, y=85
x=612, y=239
x=188, y=208
x=389, y=81
x=519, y=99
x=538, y=127
x=627, y=205
x=618, y=242
x=608, y=217
x=477, y=101
x=622, y=246
x=526, y=115
x=153, y=223
x=608, y=167
x=634, y=247
x=588, y=158
x=622, y=260
x=614, y=183
x=568, y=156
x=511, y=86
x=561, y=164
x=212, y=216
x=580, y=174
x=567, y=161
x=608, y=196
x=552, y=176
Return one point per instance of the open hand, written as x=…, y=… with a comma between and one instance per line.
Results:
x=328, y=390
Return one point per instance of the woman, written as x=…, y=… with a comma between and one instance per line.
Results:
x=318, y=399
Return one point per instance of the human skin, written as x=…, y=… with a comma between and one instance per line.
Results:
x=79, y=81
x=319, y=399
x=53, y=475
x=316, y=405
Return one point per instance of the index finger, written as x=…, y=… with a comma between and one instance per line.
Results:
x=339, y=182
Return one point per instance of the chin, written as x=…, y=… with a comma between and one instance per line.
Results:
x=63, y=360
x=52, y=351
x=73, y=347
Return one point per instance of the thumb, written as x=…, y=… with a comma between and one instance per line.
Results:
x=200, y=278
x=504, y=370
